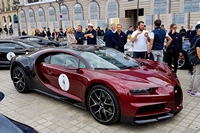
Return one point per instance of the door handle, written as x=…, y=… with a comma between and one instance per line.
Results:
x=49, y=72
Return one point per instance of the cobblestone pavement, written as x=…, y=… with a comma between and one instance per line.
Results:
x=49, y=115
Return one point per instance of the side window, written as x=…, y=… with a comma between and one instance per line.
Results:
x=19, y=46
x=8, y=45
x=66, y=60
x=34, y=39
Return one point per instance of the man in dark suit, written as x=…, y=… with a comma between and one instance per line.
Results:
x=109, y=37
x=121, y=38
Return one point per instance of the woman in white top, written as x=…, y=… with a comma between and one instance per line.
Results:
x=70, y=36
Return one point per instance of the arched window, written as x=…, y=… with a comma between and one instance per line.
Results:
x=64, y=11
x=23, y=19
x=22, y=16
x=113, y=9
x=52, y=14
x=41, y=15
x=78, y=12
x=94, y=10
x=31, y=16
x=4, y=19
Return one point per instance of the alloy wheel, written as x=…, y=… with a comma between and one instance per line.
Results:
x=101, y=105
x=19, y=80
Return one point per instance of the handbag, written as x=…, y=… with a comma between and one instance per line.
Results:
x=192, y=54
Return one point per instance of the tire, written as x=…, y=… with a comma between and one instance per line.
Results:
x=103, y=105
x=20, y=80
x=183, y=63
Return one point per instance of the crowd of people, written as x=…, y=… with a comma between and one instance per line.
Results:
x=145, y=45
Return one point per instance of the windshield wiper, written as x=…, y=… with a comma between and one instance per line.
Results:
x=128, y=67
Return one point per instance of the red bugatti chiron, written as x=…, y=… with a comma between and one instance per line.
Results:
x=111, y=85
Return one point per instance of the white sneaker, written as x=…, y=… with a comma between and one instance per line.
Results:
x=197, y=94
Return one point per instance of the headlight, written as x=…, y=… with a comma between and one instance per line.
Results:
x=141, y=91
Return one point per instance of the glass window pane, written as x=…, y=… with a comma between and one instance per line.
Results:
x=112, y=9
x=78, y=12
x=94, y=10
x=52, y=14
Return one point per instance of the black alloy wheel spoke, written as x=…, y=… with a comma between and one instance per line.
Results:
x=104, y=108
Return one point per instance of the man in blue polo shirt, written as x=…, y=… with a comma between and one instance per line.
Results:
x=157, y=38
x=91, y=35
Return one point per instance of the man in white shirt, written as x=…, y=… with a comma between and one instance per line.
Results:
x=140, y=38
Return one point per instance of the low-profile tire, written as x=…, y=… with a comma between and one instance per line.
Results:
x=20, y=80
x=103, y=105
x=183, y=63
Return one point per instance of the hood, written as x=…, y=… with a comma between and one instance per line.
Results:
x=149, y=74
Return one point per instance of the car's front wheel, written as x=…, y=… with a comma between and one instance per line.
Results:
x=20, y=80
x=103, y=105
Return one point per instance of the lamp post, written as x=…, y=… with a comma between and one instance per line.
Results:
x=16, y=7
x=137, y=11
x=59, y=3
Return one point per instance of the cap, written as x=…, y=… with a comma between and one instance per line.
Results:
x=90, y=24
x=197, y=26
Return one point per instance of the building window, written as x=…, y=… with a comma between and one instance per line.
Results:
x=8, y=4
x=3, y=5
x=41, y=15
x=178, y=18
x=31, y=16
x=160, y=6
x=113, y=9
x=64, y=11
x=149, y=20
x=191, y=5
x=52, y=14
x=94, y=10
x=23, y=19
x=78, y=12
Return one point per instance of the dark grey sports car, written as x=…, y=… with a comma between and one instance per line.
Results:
x=39, y=40
x=8, y=125
x=10, y=48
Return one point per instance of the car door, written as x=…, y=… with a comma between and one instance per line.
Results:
x=7, y=51
x=62, y=75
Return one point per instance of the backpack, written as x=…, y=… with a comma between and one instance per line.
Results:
x=192, y=54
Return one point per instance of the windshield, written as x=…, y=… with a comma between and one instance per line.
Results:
x=108, y=59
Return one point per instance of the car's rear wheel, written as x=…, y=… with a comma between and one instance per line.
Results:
x=182, y=61
x=20, y=80
x=103, y=105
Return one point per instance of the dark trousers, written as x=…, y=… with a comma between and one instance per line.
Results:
x=142, y=55
x=172, y=57
x=121, y=49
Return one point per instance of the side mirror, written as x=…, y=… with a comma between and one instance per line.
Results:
x=1, y=96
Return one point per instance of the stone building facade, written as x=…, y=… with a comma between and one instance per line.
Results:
x=103, y=12
x=7, y=14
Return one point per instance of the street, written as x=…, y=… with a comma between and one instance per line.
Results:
x=49, y=115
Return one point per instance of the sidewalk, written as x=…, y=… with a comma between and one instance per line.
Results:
x=5, y=36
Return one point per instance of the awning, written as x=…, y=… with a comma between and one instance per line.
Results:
x=4, y=24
